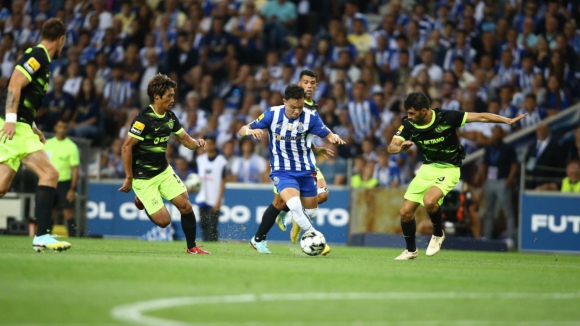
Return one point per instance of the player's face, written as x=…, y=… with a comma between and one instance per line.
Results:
x=166, y=102
x=293, y=108
x=417, y=117
x=309, y=85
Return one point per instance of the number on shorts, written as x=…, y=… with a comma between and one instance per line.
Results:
x=177, y=178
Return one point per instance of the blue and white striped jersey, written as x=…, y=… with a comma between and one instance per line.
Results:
x=290, y=140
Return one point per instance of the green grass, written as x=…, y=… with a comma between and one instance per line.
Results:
x=83, y=285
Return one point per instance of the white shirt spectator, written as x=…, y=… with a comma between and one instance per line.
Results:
x=435, y=72
x=249, y=170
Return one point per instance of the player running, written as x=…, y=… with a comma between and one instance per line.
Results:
x=20, y=140
x=434, y=132
x=146, y=167
x=291, y=128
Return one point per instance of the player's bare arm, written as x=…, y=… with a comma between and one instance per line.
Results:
x=397, y=145
x=127, y=156
x=17, y=82
x=335, y=139
x=189, y=142
x=492, y=118
x=247, y=131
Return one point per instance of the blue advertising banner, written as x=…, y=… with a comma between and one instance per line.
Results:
x=550, y=222
x=112, y=213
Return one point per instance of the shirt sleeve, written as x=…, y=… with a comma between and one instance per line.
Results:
x=456, y=118
x=318, y=127
x=31, y=62
x=263, y=121
x=404, y=132
x=138, y=128
x=74, y=159
x=177, y=127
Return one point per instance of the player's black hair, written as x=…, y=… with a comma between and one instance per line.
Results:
x=294, y=92
x=158, y=85
x=53, y=29
x=309, y=73
x=417, y=101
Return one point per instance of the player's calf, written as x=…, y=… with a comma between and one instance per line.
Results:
x=322, y=195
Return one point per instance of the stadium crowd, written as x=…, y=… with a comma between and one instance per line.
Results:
x=232, y=60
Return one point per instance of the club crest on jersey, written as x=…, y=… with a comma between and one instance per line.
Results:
x=137, y=128
x=170, y=124
x=31, y=65
x=300, y=127
x=276, y=180
x=442, y=128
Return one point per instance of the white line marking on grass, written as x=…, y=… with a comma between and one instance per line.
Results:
x=135, y=312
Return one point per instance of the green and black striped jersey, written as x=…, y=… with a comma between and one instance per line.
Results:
x=310, y=105
x=35, y=65
x=153, y=131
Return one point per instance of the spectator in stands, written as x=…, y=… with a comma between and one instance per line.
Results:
x=435, y=72
x=385, y=171
x=181, y=59
x=535, y=114
x=334, y=168
x=498, y=173
x=571, y=182
x=105, y=18
x=249, y=28
x=572, y=147
x=218, y=53
x=556, y=98
x=542, y=53
x=182, y=168
x=365, y=178
x=524, y=81
x=544, y=160
x=507, y=109
x=363, y=113
x=527, y=39
x=462, y=49
x=149, y=71
x=505, y=72
x=73, y=82
x=464, y=77
x=360, y=38
x=249, y=167
x=117, y=98
x=19, y=32
x=86, y=119
x=56, y=105
x=127, y=16
x=280, y=18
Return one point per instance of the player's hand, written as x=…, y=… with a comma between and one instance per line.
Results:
x=7, y=132
x=335, y=139
x=406, y=145
x=40, y=135
x=200, y=143
x=70, y=195
x=127, y=185
x=327, y=152
x=513, y=121
x=217, y=207
x=256, y=133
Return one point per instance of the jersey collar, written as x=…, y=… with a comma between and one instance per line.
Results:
x=155, y=112
x=45, y=50
x=427, y=125
x=311, y=103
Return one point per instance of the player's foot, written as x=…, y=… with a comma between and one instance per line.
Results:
x=281, y=220
x=196, y=250
x=138, y=203
x=435, y=245
x=46, y=241
x=326, y=250
x=408, y=255
x=295, y=232
x=261, y=247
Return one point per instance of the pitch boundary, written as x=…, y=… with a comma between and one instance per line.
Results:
x=135, y=312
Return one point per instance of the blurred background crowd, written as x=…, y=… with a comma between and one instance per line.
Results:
x=232, y=60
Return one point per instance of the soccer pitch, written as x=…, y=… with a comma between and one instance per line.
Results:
x=130, y=282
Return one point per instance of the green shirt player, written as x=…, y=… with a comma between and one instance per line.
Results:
x=434, y=133
x=277, y=211
x=146, y=167
x=20, y=140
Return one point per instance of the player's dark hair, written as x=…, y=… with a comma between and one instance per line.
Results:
x=309, y=73
x=53, y=29
x=294, y=92
x=416, y=101
x=158, y=85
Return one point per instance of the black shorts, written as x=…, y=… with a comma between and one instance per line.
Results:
x=62, y=187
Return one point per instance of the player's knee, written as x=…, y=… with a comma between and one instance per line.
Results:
x=431, y=204
x=164, y=222
x=322, y=197
x=50, y=175
x=3, y=191
x=185, y=207
x=406, y=215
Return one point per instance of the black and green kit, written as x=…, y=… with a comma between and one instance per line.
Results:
x=437, y=140
x=310, y=105
x=153, y=131
x=35, y=65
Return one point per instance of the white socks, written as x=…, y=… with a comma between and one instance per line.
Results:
x=299, y=214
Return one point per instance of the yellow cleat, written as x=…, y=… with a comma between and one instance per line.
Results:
x=326, y=250
x=281, y=220
x=295, y=232
x=41, y=243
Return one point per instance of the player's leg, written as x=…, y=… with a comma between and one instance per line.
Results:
x=409, y=228
x=322, y=187
x=282, y=210
x=147, y=190
x=446, y=179
x=6, y=176
x=271, y=215
x=67, y=206
x=39, y=163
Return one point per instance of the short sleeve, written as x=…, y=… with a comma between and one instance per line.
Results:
x=74, y=159
x=177, y=127
x=456, y=118
x=31, y=62
x=404, y=131
x=138, y=128
x=263, y=121
x=318, y=127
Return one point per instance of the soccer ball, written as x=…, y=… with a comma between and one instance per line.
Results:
x=312, y=243
x=192, y=182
